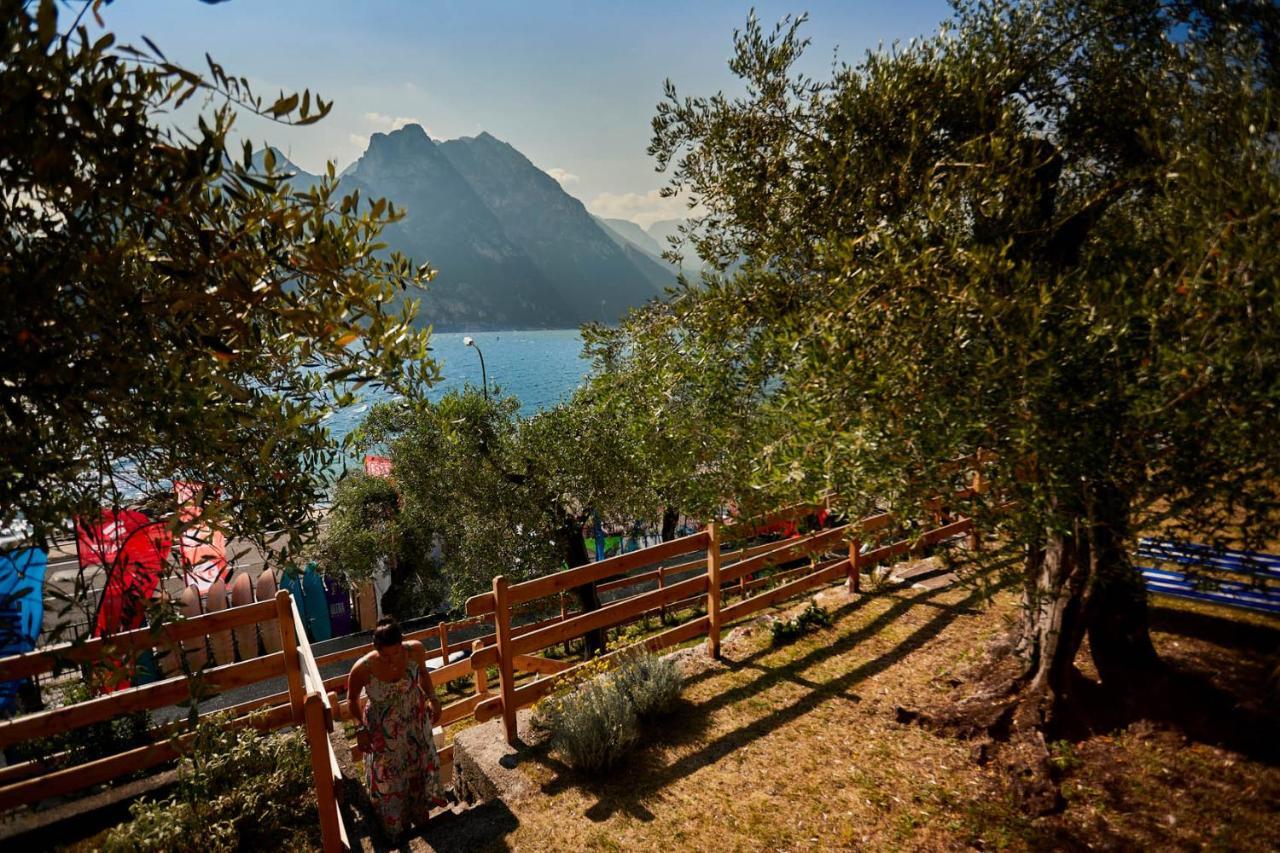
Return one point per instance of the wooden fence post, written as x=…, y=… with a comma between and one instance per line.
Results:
x=506, y=656
x=289, y=646
x=855, y=568
x=318, y=740
x=713, y=589
x=482, y=677
x=443, y=630
x=979, y=486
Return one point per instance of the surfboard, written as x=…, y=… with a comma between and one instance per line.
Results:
x=246, y=636
x=220, y=641
x=270, y=629
x=194, y=649
x=367, y=607
x=291, y=582
x=21, y=610
x=319, y=625
x=339, y=599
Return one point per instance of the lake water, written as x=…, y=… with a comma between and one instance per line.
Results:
x=539, y=367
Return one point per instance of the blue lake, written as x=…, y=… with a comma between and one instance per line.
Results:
x=540, y=367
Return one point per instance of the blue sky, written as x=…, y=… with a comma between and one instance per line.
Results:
x=573, y=85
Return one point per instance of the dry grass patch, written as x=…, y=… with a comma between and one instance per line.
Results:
x=800, y=748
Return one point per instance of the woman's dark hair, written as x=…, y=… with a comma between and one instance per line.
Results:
x=387, y=633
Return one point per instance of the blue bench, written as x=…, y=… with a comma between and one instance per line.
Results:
x=1258, y=589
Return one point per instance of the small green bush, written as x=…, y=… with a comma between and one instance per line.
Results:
x=811, y=618
x=591, y=726
x=652, y=684
x=238, y=790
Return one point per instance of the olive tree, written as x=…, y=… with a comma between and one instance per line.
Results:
x=499, y=493
x=171, y=308
x=693, y=419
x=1047, y=231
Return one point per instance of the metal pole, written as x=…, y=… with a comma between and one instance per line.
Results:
x=484, y=377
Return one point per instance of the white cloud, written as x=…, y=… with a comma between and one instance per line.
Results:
x=564, y=176
x=360, y=141
x=644, y=209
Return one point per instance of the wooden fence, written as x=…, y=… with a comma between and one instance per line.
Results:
x=306, y=703
x=835, y=554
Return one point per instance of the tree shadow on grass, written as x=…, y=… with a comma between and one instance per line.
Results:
x=646, y=776
x=1212, y=687
x=686, y=723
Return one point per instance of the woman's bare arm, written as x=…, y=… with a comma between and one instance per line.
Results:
x=356, y=682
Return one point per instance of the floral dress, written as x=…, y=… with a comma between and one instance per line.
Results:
x=403, y=769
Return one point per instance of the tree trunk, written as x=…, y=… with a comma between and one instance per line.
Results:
x=1119, y=640
x=397, y=601
x=1055, y=592
x=670, y=518
x=575, y=551
x=1081, y=582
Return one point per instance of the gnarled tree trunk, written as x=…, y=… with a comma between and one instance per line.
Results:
x=1081, y=583
x=670, y=518
x=575, y=552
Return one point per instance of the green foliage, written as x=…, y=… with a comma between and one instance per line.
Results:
x=652, y=684
x=591, y=726
x=812, y=618
x=170, y=308
x=593, y=720
x=367, y=531
x=499, y=493
x=1063, y=756
x=1047, y=231
x=238, y=790
x=692, y=420
x=1015, y=226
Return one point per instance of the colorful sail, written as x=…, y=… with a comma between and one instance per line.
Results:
x=203, y=549
x=21, y=611
x=132, y=550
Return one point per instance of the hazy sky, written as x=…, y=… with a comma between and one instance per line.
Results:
x=572, y=85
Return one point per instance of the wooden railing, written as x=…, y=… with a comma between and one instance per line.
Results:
x=719, y=573
x=306, y=703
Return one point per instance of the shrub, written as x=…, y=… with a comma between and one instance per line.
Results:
x=238, y=790
x=594, y=718
x=591, y=726
x=652, y=684
x=811, y=618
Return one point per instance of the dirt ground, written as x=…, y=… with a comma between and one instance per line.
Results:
x=802, y=748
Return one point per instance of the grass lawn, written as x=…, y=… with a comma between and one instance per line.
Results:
x=800, y=747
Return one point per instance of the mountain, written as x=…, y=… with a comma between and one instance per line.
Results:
x=511, y=248
x=629, y=232
x=301, y=181
x=597, y=277
x=484, y=278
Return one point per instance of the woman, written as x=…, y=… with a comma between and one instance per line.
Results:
x=393, y=728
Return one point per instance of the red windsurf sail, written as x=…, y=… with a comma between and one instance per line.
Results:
x=203, y=549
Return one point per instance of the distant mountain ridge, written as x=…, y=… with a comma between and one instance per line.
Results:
x=511, y=247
